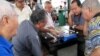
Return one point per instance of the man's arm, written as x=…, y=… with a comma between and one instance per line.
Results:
x=70, y=21
x=85, y=28
x=50, y=30
x=35, y=45
x=79, y=27
x=96, y=45
x=96, y=52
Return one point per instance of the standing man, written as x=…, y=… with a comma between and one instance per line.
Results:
x=76, y=21
x=23, y=11
x=8, y=27
x=91, y=13
x=27, y=42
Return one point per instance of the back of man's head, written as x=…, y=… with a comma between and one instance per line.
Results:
x=8, y=20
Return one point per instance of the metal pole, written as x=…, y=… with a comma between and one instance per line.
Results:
x=40, y=1
x=68, y=6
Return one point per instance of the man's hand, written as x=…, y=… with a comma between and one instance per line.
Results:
x=71, y=13
x=54, y=32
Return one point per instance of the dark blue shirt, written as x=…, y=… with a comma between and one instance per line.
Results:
x=5, y=47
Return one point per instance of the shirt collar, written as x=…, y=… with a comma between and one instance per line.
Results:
x=5, y=42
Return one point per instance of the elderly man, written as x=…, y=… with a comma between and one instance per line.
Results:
x=49, y=28
x=27, y=42
x=23, y=11
x=91, y=13
x=48, y=9
x=8, y=26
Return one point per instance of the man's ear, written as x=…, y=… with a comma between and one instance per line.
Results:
x=5, y=19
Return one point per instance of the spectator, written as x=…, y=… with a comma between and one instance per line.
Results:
x=76, y=21
x=27, y=42
x=23, y=11
x=34, y=5
x=91, y=13
x=65, y=6
x=50, y=24
x=48, y=9
x=8, y=26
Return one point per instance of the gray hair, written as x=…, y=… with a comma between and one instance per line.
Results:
x=94, y=5
x=6, y=9
x=46, y=3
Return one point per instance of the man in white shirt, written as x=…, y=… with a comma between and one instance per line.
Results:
x=48, y=9
x=50, y=24
x=23, y=11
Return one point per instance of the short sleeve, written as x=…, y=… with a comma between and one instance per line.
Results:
x=4, y=52
x=96, y=41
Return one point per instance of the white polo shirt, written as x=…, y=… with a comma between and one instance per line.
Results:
x=24, y=14
x=50, y=22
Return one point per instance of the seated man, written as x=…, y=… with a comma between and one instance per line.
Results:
x=76, y=21
x=91, y=13
x=8, y=27
x=27, y=42
x=50, y=23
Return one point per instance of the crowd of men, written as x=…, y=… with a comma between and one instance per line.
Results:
x=22, y=23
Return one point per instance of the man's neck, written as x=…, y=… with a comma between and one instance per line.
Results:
x=4, y=34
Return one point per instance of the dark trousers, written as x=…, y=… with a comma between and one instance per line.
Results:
x=80, y=42
x=80, y=48
x=80, y=45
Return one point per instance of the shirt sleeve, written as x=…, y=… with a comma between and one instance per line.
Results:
x=96, y=42
x=35, y=46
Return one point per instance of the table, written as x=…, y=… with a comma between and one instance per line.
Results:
x=61, y=43
x=66, y=40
